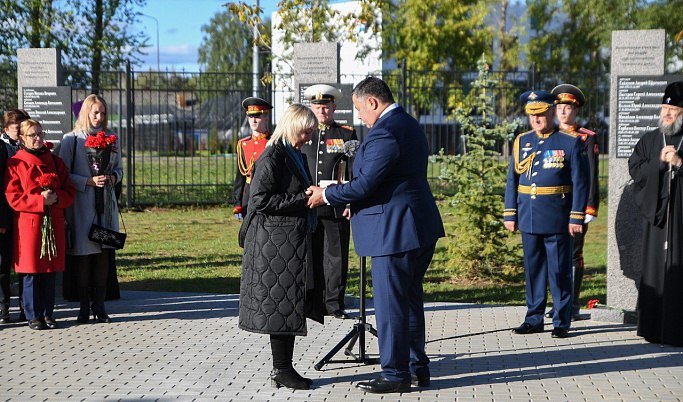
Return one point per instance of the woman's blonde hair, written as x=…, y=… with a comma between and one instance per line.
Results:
x=297, y=118
x=26, y=125
x=83, y=122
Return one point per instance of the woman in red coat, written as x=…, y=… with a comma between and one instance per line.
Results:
x=38, y=188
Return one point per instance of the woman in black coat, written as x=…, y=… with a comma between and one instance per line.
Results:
x=278, y=289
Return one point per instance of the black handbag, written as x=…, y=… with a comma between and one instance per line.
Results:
x=106, y=236
x=68, y=235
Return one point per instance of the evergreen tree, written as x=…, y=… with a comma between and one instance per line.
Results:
x=478, y=245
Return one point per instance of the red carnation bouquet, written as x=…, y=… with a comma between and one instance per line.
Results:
x=48, y=244
x=99, y=148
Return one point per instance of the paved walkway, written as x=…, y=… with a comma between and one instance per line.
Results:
x=186, y=346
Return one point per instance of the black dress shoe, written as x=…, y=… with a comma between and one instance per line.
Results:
x=36, y=324
x=527, y=328
x=288, y=378
x=419, y=382
x=383, y=386
x=550, y=313
x=560, y=333
x=341, y=314
x=4, y=316
x=51, y=323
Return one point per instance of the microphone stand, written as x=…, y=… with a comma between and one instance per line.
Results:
x=357, y=334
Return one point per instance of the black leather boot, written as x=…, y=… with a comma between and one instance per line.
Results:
x=288, y=378
x=84, y=312
x=98, y=310
x=4, y=315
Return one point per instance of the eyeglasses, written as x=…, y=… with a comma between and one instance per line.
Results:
x=36, y=135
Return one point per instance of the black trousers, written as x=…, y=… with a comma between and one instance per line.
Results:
x=282, y=348
x=577, y=263
x=331, y=253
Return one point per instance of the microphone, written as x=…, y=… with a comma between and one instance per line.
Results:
x=350, y=148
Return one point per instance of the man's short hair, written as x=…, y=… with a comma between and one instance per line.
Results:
x=14, y=116
x=375, y=87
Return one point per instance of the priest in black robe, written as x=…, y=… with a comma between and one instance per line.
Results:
x=656, y=167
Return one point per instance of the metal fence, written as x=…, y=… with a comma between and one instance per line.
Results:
x=179, y=129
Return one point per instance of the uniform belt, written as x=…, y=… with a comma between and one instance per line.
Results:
x=535, y=190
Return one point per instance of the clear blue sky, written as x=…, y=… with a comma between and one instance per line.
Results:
x=180, y=23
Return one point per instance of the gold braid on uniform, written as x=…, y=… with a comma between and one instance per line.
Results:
x=524, y=165
x=242, y=162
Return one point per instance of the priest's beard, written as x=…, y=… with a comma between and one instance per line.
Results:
x=673, y=128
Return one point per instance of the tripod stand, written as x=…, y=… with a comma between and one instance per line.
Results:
x=357, y=334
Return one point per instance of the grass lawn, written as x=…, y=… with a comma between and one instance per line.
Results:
x=196, y=250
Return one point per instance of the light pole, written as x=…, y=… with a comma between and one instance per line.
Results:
x=157, y=21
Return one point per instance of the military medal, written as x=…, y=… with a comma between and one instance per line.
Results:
x=334, y=145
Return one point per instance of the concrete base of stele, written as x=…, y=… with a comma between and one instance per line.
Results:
x=616, y=315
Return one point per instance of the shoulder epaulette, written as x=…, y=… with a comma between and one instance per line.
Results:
x=245, y=139
x=570, y=133
x=583, y=130
x=527, y=132
x=347, y=127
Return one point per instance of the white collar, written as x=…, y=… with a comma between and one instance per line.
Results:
x=388, y=109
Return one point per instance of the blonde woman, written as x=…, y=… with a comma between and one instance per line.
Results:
x=278, y=289
x=95, y=203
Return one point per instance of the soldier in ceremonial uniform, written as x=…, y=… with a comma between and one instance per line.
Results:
x=569, y=100
x=545, y=198
x=327, y=161
x=248, y=150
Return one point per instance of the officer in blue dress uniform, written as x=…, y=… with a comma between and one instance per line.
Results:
x=328, y=162
x=545, y=198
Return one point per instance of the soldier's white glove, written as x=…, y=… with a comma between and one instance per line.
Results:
x=238, y=216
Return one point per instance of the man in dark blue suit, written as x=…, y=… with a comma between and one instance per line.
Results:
x=545, y=198
x=394, y=220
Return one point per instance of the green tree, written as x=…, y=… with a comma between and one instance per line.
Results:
x=27, y=23
x=300, y=21
x=478, y=241
x=227, y=45
x=93, y=35
x=506, y=44
x=543, y=47
x=667, y=15
x=432, y=35
x=576, y=35
x=101, y=38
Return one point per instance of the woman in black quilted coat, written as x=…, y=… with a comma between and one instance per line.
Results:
x=278, y=289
